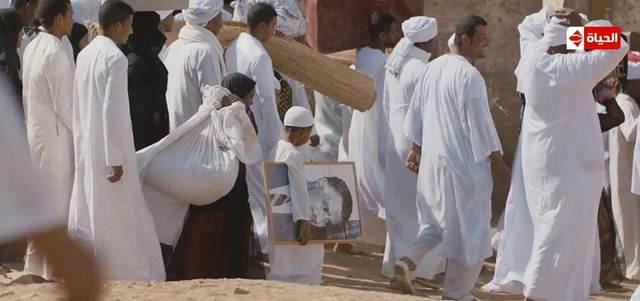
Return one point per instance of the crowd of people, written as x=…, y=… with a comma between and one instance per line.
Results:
x=97, y=96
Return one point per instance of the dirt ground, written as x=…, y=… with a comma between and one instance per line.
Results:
x=352, y=276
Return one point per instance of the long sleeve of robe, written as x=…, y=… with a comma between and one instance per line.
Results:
x=48, y=101
x=111, y=218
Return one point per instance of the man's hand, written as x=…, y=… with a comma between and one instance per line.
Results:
x=500, y=171
x=116, y=174
x=572, y=17
x=413, y=159
x=304, y=232
x=315, y=140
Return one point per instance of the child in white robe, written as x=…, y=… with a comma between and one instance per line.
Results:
x=293, y=263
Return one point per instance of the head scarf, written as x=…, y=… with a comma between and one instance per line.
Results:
x=239, y=84
x=200, y=12
x=555, y=33
x=146, y=39
x=416, y=30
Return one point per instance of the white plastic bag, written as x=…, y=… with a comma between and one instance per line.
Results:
x=196, y=164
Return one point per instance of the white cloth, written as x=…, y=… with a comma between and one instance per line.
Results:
x=112, y=219
x=634, y=71
x=291, y=20
x=25, y=208
x=625, y=205
x=531, y=30
x=200, y=12
x=459, y=279
x=400, y=194
x=449, y=117
x=416, y=30
x=367, y=135
x=555, y=33
x=48, y=98
x=5, y=3
x=248, y=56
x=451, y=43
x=331, y=125
x=562, y=173
x=193, y=61
x=168, y=212
x=294, y=263
x=298, y=116
x=85, y=10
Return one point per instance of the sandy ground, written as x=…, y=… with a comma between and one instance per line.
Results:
x=347, y=276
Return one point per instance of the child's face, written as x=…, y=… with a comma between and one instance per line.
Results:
x=299, y=137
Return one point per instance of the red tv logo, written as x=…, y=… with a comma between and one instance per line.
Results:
x=590, y=38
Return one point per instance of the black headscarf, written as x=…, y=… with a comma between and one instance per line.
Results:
x=10, y=29
x=78, y=32
x=238, y=84
x=146, y=39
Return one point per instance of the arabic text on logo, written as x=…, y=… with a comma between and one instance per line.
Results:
x=591, y=38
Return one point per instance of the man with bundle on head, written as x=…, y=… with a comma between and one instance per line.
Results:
x=562, y=164
x=455, y=151
x=408, y=60
x=48, y=98
x=248, y=56
x=194, y=60
x=108, y=210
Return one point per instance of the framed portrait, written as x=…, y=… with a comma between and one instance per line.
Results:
x=334, y=201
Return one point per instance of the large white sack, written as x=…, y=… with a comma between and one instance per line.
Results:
x=198, y=167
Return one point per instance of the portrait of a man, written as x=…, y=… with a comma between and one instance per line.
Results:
x=333, y=203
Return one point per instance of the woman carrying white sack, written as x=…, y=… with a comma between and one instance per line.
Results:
x=198, y=163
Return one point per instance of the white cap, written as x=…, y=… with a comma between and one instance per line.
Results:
x=298, y=117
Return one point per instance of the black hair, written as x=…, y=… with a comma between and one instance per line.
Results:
x=238, y=84
x=112, y=12
x=78, y=32
x=342, y=188
x=10, y=28
x=18, y=4
x=467, y=27
x=48, y=10
x=380, y=23
x=260, y=13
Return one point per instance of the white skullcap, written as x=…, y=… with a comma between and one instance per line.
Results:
x=164, y=13
x=200, y=12
x=416, y=30
x=451, y=43
x=213, y=95
x=299, y=117
x=420, y=29
x=555, y=33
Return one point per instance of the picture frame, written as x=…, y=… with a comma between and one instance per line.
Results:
x=334, y=198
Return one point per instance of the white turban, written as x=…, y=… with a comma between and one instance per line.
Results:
x=291, y=21
x=299, y=117
x=416, y=30
x=200, y=12
x=555, y=33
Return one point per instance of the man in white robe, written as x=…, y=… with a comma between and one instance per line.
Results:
x=248, y=56
x=562, y=168
x=108, y=211
x=408, y=59
x=367, y=131
x=625, y=205
x=456, y=149
x=194, y=60
x=48, y=98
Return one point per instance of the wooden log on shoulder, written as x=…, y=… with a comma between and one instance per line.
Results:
x=316, y=71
